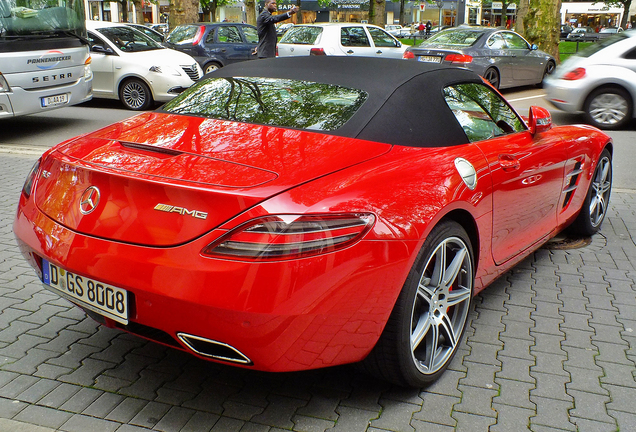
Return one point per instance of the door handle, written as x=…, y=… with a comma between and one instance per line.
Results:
x=350, y=52
x=378, y=52
x=509, y=162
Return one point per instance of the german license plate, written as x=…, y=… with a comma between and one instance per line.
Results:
x=430, y=59
x=99, y=297
x=61, y=99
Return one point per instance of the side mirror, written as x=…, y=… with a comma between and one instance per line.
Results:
x=399, y=44
x=102, y=49
x=539, y=120
x=534, y=47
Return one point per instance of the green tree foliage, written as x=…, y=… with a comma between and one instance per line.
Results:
x=210, y=7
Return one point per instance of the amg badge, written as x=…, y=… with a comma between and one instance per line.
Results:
x=181, y=210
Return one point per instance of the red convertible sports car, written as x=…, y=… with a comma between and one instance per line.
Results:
x=299, y=213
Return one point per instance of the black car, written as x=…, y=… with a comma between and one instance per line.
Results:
x=565, y=31
x=214, y=45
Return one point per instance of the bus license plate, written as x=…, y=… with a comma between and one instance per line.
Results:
x=61, y=99
x=430, y=59
x=99, y=297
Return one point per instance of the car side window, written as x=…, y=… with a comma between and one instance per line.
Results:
x=630, y=55
x=514, y=41
x=381, y=38
x=496, y=42
x=354, y=37
x=250, y=35
x=481, y=112
x=228, y=34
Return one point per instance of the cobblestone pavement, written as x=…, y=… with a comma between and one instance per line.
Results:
x=550, y=346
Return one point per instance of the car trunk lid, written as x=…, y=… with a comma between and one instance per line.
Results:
x=159, y=179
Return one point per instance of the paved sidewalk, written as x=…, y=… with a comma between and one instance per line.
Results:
x=550, y=346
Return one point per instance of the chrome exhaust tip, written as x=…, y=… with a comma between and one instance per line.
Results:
x=213, y=349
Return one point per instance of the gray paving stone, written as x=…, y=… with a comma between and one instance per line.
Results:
x=38, y=390
x=476, y=401
x=322, y=406
x=626, y=421
x=514, y=393
x=517, y=348
x=146, y=386
x=253, y=427
x=43, y=416
x=579, y=357
x=16, y=386
x=126, y=410
x=578, y=338
x=279, y=412
x=511, y=418
x=81, y=400
x=590, y=406
x=352, y=419
x=82, y=423
x=446, y=385
x=240, y=410
x=174, y=420
x=29, y=363
x=467, y=422
x=51, y=371
x=618, y=374
x=103, y=405
x=422, y=426
x=308, y=424
x=226, y=424
x=200, y=422
x=396, y=416
x=585, y=380
x=480, y=375
x=552, y=413
x=515, y=369
x=551, y=386
x=58, y=396
x=593, y=425
x=10, y=408
x=150, y=415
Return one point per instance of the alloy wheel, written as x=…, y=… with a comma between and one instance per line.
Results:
x=134, y=95
x=601, y=187
x=608, y=109
x=441, y=305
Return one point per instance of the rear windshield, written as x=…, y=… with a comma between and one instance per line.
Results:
x=182, y=34
x=455, y=37
x=303, y=35
x=270, y=101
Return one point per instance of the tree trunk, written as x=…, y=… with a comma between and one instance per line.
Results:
x=522, y=11
x=542, y=25
x=627, y=6
x=377, y=12
x=183, y=12
x=139, y=11
x=402, y=12
x=299, y=15
x=250, y=11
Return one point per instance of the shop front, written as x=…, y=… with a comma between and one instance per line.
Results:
x=595, y=15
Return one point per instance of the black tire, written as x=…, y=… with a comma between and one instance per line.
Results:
x=596, y=203
x=210, y=67
x=549, y=70
x=608, y=108
x=492, y=76
x=135, y=95
x=430, y=312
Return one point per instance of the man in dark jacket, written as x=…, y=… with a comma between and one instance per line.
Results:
x=267, y=30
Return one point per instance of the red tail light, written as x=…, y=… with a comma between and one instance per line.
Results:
x=199, y=35
x=408, y=55
x=291, y=236
x=276, y=50
x=574, y=75
x=317, y=51
x=458, y=58
x=28, y=184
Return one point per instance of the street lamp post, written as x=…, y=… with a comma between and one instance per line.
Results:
x=440, y=5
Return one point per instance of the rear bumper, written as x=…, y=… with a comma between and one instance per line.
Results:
x=281, y=316
x=21, y=102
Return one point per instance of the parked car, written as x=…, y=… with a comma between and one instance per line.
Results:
x=599, y=81
x=609, y=31
x=395, y=29
x=152, y=34
x=214, y=45
x=339, y=39
x=566, y=29
x=502, y=57
x=583, y=34
x=129, y=66
x=296, y=213
x=162, y=28
x=282, y=28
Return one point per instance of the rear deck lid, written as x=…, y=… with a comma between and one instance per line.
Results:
x=160, y=179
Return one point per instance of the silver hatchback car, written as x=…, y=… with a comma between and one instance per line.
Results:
x=600, y=81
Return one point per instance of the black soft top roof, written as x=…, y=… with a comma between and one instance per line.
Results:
x=405, y=105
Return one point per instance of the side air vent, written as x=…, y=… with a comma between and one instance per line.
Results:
x=214, y=349
x=571, y=183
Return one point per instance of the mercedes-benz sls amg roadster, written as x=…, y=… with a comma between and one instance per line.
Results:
x=299, y=213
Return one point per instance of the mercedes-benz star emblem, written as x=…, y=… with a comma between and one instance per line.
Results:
x=89, y=200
